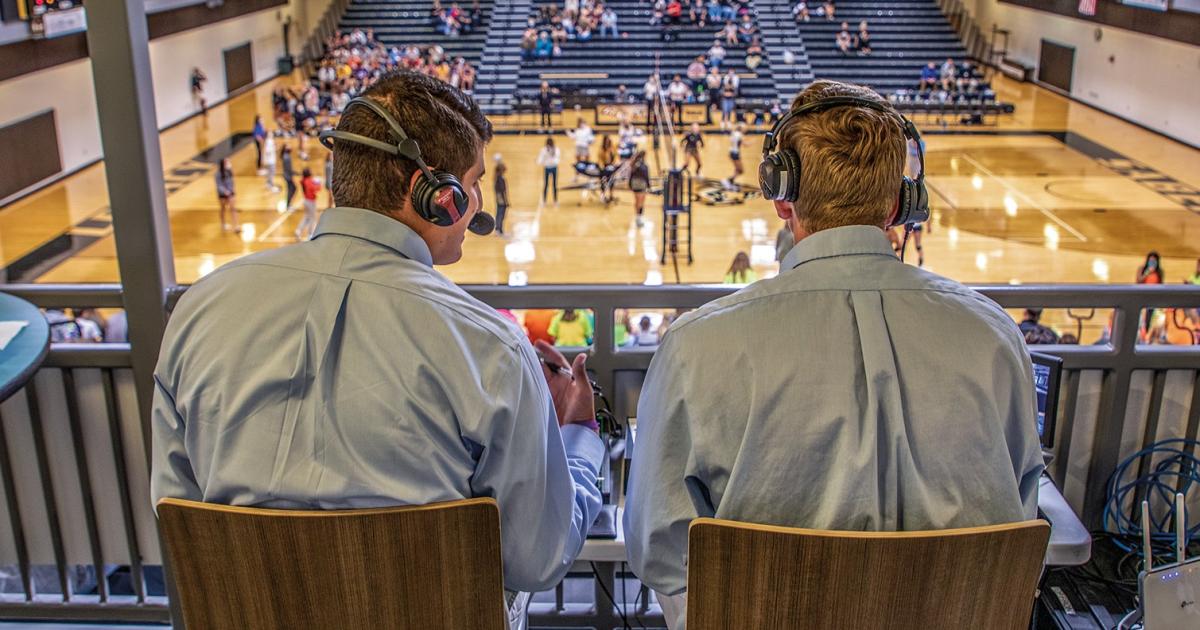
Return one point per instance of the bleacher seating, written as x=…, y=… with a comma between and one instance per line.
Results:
x=607, y=63
x=404, y=22
x=905, y=35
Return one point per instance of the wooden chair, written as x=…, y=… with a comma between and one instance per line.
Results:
x=431, y=566
x=756, y=576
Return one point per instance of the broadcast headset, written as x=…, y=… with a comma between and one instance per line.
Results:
x=437, y=196
x=779, y=172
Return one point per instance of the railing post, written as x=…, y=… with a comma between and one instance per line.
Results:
x=118, y=44
x=120, y=54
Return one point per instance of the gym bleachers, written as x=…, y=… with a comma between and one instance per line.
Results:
x=905, y=35
x=779, y=34
x=603, y=64
x=405, y=22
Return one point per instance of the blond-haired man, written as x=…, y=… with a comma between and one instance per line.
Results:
x=850, y=392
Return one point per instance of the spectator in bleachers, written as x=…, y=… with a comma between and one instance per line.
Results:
x=863, y=41
x=714, y=11
x=696, y=71
x=544, y=48
x=929, y=77
x=622, y=94
x=697, y=14
x=529, y=43
x=829, y=10
x=583, y=32
x=843, y=39
x=948, y=74
x=747, y=29
x=608, y=23
x=558, y=34
x=730, y=33
x=674, y=12
x=754, y=53
x=716, y=54
x=800, y=11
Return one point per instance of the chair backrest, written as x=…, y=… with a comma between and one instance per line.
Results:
x=756, y=576
x=430, y=566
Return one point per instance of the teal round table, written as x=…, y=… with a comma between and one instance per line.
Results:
x=25, y=353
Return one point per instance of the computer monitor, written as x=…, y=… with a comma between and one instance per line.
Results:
x=1047, y=372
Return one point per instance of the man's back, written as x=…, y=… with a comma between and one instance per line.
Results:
x=345, y=372
x=851, y=392
x=338, y=388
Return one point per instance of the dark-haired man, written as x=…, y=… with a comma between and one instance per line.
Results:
x=850, y=392
x=346, y=372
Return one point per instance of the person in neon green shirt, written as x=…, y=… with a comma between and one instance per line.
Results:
x=570, y=329
x=740, y=272
x=620, y=328
x=1195, y=279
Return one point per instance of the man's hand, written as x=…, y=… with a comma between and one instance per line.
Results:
x=572, y=395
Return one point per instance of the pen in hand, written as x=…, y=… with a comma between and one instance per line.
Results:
x=554, y=367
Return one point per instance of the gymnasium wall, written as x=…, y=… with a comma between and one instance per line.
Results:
x=1149, y=80
x=67, y=88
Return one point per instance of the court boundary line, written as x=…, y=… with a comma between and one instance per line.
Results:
x=1013, y=189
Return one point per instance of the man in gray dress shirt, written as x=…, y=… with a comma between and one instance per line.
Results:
x=346, y=372
x=850, y=392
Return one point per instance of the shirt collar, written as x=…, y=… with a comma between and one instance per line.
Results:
x=376, y=228
x=849, y=240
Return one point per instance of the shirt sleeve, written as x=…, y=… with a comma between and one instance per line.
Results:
x=543, y=478
x=659, y=506
x=171, y=472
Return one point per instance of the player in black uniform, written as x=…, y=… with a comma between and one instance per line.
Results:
x=692, y=142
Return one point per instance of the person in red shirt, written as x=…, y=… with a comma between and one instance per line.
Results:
x=310, y=186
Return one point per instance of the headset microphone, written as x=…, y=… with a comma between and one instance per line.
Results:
x=437, y=196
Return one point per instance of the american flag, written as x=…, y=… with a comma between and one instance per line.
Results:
x=1087, y=7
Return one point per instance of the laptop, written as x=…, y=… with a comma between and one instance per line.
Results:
x=1047, y=375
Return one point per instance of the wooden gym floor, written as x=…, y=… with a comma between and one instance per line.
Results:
x=1057, y=192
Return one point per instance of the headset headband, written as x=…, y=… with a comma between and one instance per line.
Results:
x=404, y=146
x=910, y=130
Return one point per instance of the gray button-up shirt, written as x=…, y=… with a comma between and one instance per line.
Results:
x=346, y=372
x=851, y=392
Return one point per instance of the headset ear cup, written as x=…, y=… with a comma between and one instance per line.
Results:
x=904, y=204
x=443, y=203
x=791, y=184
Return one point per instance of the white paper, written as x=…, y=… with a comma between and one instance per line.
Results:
x=8, y=330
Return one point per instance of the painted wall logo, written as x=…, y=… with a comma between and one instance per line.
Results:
x=1155, y=180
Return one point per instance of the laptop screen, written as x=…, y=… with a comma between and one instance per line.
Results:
x=1047, y=372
